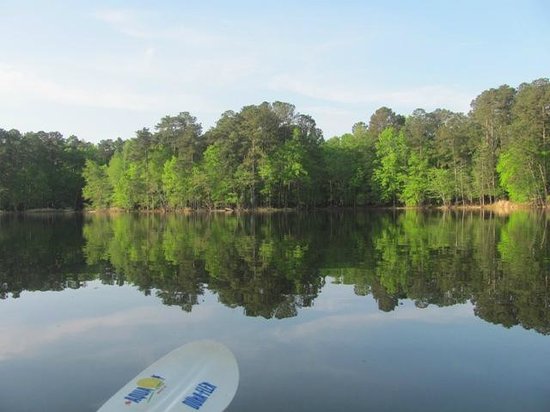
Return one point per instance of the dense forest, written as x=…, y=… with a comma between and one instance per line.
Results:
x=268, y=155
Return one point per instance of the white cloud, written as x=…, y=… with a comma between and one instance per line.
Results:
x=131, y=23
x=178, y=55
x=430, y=96
x=115, y=16
x=21, y=86
x=124, y=21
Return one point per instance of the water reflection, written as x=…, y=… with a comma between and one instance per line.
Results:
x=272, y=265
x=263, y=264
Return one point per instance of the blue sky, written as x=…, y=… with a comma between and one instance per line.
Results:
x=103, y=69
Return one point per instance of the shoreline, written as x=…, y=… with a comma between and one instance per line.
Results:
x=42, y=211
x=501, y=207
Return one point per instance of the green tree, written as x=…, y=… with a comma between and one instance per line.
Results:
x=176, y=183
x=441, y=183
x=528, y=152
x=349, y=161
x=340, y=162
x=516, y=173
x=420, y=131
x=211, y=183
x=127, y=180
x=383, y=118
x=390, y=170
x=416, y=182
x=492, y=112
x=181, y=134
x=284, y=173
x=454, y=143
x=11, y=163
x=107, y=148
x=97, y=189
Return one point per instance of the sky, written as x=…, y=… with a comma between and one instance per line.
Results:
x=104, y=69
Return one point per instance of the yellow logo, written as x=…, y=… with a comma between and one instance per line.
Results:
x=150, y=383
x=145, y=389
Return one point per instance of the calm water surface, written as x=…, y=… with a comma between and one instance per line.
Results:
x=324, y=312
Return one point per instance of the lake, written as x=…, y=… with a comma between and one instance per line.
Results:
x=371, y=311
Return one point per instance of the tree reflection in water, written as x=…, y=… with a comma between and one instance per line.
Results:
x=271, y=265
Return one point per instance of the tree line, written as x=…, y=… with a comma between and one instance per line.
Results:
x=269, y=155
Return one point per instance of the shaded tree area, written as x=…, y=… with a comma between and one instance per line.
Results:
x=44, y=169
